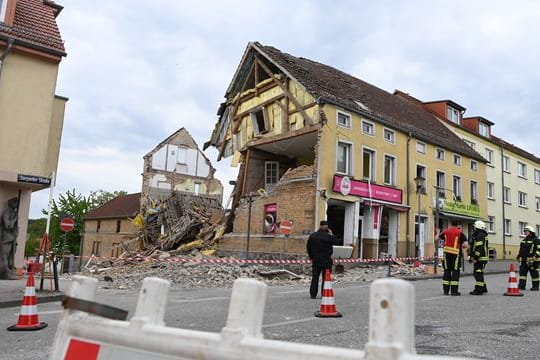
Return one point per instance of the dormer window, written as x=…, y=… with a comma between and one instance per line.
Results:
x=483, y=129
x=454, y=115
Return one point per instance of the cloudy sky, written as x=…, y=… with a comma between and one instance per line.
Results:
x=137, y=70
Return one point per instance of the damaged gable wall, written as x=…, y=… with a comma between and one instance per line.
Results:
x=177, y=164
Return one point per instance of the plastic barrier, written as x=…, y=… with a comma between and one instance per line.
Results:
x=391, y=328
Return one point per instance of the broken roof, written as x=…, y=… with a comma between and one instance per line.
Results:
x=331, y=85
x=34, y=26
x=121, y=207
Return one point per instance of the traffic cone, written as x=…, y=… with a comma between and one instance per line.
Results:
x=328, y=307
x=513, y=289
x=28, y=316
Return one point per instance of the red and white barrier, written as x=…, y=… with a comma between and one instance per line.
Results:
x=80, y=335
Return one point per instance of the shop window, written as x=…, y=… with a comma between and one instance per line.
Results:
x=270, y=218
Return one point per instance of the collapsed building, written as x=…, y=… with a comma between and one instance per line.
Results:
x=314, y=143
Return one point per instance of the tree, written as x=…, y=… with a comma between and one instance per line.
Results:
x=34, y=234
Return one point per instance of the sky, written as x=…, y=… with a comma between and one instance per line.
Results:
x=137, y=71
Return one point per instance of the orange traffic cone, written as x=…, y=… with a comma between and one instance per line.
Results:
x=28, y=316
x=512, y=283
x=328, y=307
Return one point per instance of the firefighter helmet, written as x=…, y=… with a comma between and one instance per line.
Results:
x=530, y=228
x=479, y=224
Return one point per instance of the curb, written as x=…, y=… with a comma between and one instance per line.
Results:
x=40, y=300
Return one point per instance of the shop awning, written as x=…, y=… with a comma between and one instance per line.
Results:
x=459, y=216
x=395, y=206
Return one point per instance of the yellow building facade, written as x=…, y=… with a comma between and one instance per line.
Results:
x=31, y=115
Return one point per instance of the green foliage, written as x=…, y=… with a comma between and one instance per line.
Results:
x=75, y=205
x=35, y=231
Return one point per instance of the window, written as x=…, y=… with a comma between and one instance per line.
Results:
x=421, y=172
x=537, y=176
x=441, y=183
x=197, y=188
x=440, y=154
x=389, y=169
x=259, y=122
x=483, y=130
x=343, y=119
x=95, y=248
x=368, y=128
x=98, y=226
x=537, y=199
x=522, y=170
x=506, y=163
x=522, y=199
x=474, y=165
x=368, y=164
x=389, y=136
x=489, y=156
x=420, y=147
x=344, y=158
x=271, y=174
x=522, y=228
x=491, y=224
x=181, y=155
x=490, y=190
x=474, y=192
x=457, y=187
x=506, y=195
x=507, y=225
x=470, y=143
x=118, y=225
x=453, y=115
x=457, y=160
x=115, y=250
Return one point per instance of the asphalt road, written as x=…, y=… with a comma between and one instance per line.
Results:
x=491, y=326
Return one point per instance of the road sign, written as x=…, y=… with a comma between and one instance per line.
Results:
x=67, y=224
x=286, y=227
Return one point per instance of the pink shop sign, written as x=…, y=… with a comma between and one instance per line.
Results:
x=363, y=189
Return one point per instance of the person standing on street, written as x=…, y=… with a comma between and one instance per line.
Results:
x=478, y=255
x=319, y=249
x=529, y=258
x=454, y=240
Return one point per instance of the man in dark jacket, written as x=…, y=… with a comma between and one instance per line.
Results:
x=319, y=249
x=529, y=258
x=478, y=255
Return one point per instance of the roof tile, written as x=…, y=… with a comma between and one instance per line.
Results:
x=123, y=206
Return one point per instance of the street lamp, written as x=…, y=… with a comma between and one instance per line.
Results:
x=420, y=182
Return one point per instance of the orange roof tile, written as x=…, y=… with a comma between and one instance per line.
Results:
x=35, y=26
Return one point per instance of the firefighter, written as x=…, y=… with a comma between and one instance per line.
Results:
x=454, y=240
x=529, y=258
x=478, y=255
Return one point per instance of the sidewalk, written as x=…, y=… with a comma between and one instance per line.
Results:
x=12, y=291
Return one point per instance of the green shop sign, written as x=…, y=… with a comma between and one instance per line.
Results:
x=460, y=208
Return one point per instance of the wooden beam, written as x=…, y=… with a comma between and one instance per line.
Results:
x=305, y=107
x=264, y=103
x=287, y=93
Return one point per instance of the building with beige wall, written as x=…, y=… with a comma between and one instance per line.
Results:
x=512, y=178
x=31, y=115
x=356, y=149
x=109, y=230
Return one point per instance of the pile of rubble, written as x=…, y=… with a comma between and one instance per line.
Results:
x=128, y=274
x=181, y=223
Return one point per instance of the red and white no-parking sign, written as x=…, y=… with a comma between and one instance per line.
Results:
x=286, y=227
x=67, y=224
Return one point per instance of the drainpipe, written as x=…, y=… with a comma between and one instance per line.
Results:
x=407, y=225
x=5, y=54
x=502, y=198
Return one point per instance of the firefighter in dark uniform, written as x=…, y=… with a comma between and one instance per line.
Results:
x=454, y=240
x=529, y=258
x=320, y=250
x=478, y=255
